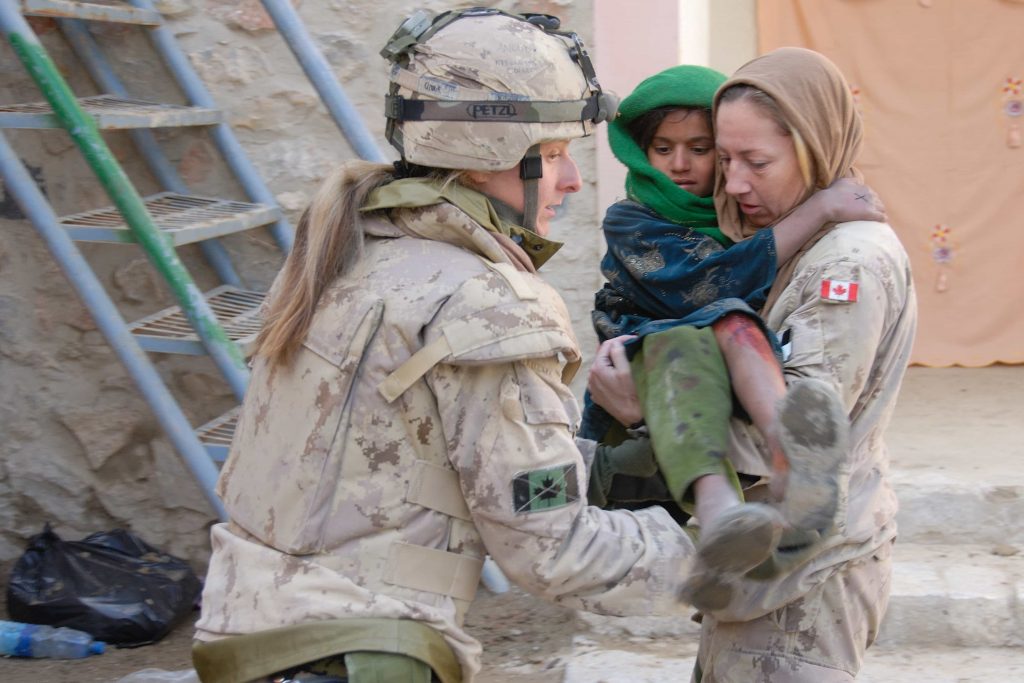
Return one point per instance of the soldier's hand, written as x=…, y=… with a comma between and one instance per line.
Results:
x=610, y=382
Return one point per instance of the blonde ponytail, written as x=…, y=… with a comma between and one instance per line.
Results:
x=328, y=242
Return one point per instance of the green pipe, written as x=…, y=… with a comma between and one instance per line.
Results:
x=86, y=135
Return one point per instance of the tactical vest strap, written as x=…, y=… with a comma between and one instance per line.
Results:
x=395, y=384
x=484, y=336
x=433, y=571
x=437, y=488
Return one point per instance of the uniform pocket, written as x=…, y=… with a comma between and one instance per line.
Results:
x=543, y=397
x=281, y=475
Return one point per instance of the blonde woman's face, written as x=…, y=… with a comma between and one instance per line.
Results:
x=561, y=177
x=761, y=169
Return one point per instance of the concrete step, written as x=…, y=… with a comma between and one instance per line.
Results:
x=673, y=661
x=948, y=506
x=964, y=596
x=942, y=665
x=955, y=449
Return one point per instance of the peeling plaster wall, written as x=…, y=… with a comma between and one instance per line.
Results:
x=80, y=447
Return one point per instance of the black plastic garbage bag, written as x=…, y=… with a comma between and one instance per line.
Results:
x=112, y=585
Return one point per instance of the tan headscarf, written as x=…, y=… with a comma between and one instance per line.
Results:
x=816, y=102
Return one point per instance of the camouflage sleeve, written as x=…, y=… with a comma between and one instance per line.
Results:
x=508, y=428
x=836, y=331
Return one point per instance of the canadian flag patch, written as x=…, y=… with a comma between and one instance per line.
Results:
x=838, y=290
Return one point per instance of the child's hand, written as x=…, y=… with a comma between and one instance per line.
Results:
x=611, y=382
x=848, y=200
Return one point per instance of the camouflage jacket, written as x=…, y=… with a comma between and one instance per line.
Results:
x=424, y=423
x=848, y=317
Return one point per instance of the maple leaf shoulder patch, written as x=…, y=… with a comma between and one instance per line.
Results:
x=840, y=284
x=839, y=290
x=545, y=489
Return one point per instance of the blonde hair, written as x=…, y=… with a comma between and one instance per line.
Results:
x=803, y=157
x=328, y=243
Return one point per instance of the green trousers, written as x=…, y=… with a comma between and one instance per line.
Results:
x=684, y=388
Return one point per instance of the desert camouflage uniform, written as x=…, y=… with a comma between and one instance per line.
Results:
x=814, y=621
x=358, y=491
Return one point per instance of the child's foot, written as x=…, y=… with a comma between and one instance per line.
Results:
x=707, y=591
x=736, y=541
x=814, y=434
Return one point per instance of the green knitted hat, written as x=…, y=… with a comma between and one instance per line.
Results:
x=683, y=86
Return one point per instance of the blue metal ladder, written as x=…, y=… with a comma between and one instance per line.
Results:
x=222, y=322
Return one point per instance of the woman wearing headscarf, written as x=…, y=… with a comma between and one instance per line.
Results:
x=845, y=311
x=689, y=295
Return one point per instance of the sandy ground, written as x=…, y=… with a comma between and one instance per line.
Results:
x=517, y=631
x=526, y=640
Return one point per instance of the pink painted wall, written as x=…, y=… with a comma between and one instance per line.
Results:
x=631, y=41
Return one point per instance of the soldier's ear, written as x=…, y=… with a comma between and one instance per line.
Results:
x=477, y=179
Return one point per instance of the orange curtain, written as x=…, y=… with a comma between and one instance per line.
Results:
x=940, y=84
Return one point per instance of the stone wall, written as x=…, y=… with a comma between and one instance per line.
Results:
x=80, y=447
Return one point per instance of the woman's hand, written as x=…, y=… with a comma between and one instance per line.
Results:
x=849, y=200
x=611, y=382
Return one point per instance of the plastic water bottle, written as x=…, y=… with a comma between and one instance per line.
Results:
x=33, y=640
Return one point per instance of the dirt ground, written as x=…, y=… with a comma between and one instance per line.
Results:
x=526, y=640
x=517, y=631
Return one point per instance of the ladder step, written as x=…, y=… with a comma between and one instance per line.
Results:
x=216, y=434
x=91, y=11
x=184, y=218
x=168, y=331
x=111, y=113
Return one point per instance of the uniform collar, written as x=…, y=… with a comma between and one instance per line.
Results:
x=409, y=193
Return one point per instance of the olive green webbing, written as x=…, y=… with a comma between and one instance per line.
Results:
x=385, y=667
x=243, y=658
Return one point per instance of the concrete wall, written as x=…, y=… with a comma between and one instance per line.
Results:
x=80, y=447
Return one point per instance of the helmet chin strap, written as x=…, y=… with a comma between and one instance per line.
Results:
x=531, y=170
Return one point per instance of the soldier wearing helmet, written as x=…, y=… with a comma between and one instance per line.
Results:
x=408, y=412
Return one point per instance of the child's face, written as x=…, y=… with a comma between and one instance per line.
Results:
x=683, y=148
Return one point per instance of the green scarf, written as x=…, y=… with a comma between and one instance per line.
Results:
x=685, y=86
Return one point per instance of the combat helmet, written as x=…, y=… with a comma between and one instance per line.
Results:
x=480, y=89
